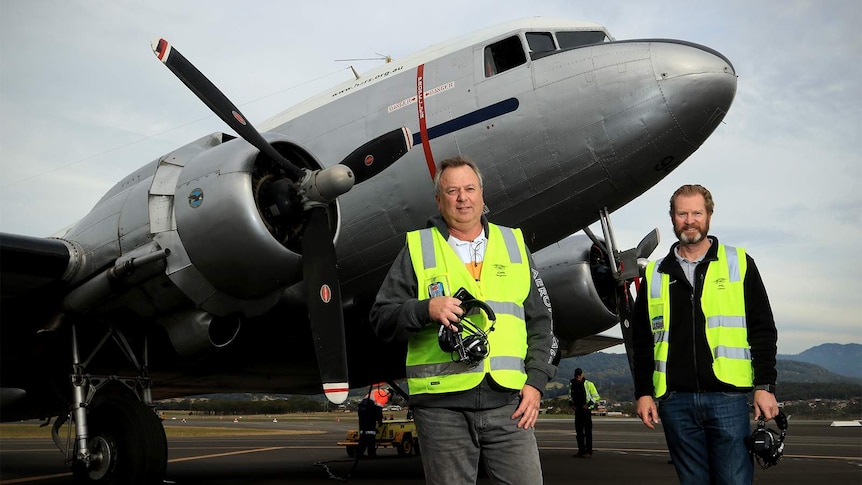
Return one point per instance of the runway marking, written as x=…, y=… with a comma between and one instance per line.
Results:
x=219, y=455
x=653, y=450
x=34, y=479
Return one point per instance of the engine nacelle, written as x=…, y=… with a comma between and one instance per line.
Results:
x=221, y=228
x=581, y=287
x=230, y=257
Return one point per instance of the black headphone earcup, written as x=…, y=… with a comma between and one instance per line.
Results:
x=446, y=339
x=762, y=440
x=476, y=347
x=766, y=445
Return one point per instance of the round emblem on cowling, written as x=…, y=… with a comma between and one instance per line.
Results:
x=196, y=198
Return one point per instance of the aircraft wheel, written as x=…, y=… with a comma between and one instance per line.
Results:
x=127, y=442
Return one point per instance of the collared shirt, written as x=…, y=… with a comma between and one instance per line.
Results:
x=472, y=253
x=687, y=266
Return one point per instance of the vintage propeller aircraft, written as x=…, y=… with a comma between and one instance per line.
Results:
x=231, y=264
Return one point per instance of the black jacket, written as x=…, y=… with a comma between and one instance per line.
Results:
x=689, y=363
x=370, y=415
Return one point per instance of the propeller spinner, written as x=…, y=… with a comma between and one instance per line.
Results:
x=316, y=189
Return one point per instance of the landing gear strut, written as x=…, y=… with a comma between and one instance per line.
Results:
x=118, y=439
x=626, y=266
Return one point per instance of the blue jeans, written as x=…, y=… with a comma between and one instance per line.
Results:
x=705, y=433
x=450, y=442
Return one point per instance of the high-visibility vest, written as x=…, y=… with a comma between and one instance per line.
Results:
x=723, y=306
x=504, y=285
x=590, y=392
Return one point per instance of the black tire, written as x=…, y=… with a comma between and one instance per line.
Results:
x=405, y=448
x=351, y=451
x=130, y=439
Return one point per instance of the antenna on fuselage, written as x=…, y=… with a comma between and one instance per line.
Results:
x=382, y=57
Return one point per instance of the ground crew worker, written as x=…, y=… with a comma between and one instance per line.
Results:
x=370, y=416
x=584, y=398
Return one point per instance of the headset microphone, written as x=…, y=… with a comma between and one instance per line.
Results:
x=469, y=341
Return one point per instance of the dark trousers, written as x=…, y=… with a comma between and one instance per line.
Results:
x=366, y=441
x=584, y=430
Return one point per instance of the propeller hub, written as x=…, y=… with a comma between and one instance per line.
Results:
x=327, y=184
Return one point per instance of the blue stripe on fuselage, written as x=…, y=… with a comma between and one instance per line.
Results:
x=476, y=117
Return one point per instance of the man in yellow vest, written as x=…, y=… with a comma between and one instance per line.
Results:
x=583, y=397
x=703, y=338
x=488, y=405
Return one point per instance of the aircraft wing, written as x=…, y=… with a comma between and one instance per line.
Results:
x=28, y=264
x=589, y=345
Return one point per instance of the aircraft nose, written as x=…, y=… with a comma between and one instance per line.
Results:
x=698, y=84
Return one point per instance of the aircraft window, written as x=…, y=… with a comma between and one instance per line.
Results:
x=540, y=42
x=568, y=40
x=504, y=55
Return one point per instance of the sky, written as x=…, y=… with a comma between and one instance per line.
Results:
x=84, y=102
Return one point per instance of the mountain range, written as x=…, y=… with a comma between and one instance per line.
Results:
x=843, y=359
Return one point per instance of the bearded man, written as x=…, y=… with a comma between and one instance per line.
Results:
x=704, y=338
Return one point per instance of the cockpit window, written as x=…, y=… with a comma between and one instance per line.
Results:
x=568, y=40
x=504, y=55
x=540, y=41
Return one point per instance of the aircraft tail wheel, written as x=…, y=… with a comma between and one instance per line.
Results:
x=127, y=442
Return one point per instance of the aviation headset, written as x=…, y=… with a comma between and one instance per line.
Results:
x=767, y=445
x=470, y=343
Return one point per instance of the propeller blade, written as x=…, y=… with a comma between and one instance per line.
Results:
x=648, y=244
x=219, y=103
x=378, y=154
x=323, y=299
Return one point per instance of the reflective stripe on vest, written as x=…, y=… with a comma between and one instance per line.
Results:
x=723, y=306
x=504, y=285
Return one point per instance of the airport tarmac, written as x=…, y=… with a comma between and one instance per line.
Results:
x=625, y=453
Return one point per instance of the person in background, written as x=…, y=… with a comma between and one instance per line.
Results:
x=370, y=416
x=703, y=338
x=464, y=410
x=583, y=397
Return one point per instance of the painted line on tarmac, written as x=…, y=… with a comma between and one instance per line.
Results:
x=647, y=450
x=35, y=479
x=231, y=453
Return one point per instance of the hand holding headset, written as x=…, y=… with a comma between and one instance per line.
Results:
x=469, y=341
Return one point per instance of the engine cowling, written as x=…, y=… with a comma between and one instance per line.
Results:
x=221, y=228
x=581, y=287
x=234, y=240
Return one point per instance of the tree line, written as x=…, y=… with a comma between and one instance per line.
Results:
x=231, y=407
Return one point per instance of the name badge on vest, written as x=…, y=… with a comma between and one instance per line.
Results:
x=436, y=289
x=657, y=323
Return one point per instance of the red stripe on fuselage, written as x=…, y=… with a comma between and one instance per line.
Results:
x=423, y=127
